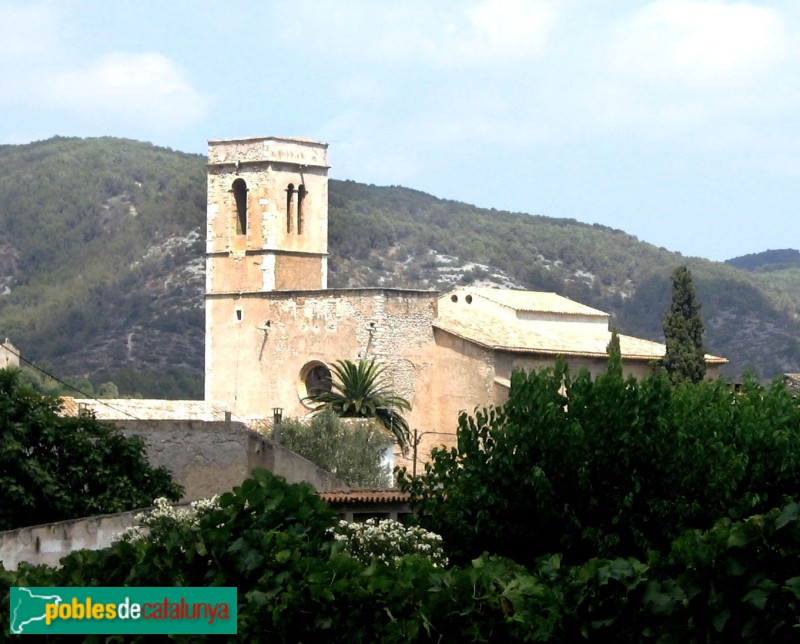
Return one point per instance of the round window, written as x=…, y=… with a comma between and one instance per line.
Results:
x=318, y=380
x=315, y=378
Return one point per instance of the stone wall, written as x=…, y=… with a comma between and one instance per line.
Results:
x=259, y=345
x=209, y=458
x=47, y=544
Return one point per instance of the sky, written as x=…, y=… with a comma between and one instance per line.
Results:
x=677, y=121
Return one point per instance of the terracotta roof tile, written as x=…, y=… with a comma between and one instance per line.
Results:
x=365, y=496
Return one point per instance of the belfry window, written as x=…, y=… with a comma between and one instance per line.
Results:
x=240, y=196
x=301, y=195
x=289, y=207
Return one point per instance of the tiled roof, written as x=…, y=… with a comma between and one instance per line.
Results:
x=365, y=496
x=132, y=408
x=531, y=301
x=561, y=340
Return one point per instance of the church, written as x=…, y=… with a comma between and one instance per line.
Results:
x=273, y=327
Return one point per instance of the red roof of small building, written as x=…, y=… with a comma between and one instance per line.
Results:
x=366, y=496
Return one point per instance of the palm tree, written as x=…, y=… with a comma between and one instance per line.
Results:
x=360, y=390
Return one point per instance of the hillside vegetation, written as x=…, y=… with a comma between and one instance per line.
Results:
x=101, y=264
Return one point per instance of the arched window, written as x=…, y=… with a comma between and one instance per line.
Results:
x=289, y=207
x=240, y=196
x=301, y=195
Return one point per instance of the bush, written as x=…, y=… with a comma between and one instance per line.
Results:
x=739, y=581
x=607, y=467
x=353, y=450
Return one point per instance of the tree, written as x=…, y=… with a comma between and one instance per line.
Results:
x=354, y=453
x=54, y=468
x=607, y=467
x=683, y=332
x=361, y=390
x=614, y=354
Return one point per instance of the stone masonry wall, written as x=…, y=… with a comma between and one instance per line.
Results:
x=210, y=458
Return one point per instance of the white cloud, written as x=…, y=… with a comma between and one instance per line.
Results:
x=438, y=34
x=702, y=42
x=498, y=30
x=144, y=88
x=45, y=87
x=718, y=70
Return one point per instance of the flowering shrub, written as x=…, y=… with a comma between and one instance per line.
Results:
x=165, y=517
x=388, y=541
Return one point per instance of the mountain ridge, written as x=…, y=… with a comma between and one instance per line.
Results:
x=102, y=264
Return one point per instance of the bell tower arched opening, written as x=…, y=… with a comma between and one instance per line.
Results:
x=240, y=197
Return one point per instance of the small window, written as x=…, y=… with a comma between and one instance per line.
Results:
x=301, y=195
x=240, y=196
x=239, y=315
x=289, y=207
x=468, y=299
x=454, y=298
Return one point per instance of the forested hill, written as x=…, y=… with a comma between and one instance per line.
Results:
x=769, y=260
x=101, y=264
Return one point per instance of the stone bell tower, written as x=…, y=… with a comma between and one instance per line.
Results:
x=266, y=237
x=267, y=215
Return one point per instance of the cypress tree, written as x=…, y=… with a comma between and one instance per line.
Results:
x=614, y=355
x=683, y=331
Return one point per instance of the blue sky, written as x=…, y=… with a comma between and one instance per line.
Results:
x=677, y=121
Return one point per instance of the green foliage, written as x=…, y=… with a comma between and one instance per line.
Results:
x=770, y=260
x=683, y=331
x=361, y=390
x=54, y=468
x=614, y=355
x=83, y=222
x=737, y=581
x=170, y=383
x=353, y=451
x=607, y=467
x=273, y=542
x=40, y=382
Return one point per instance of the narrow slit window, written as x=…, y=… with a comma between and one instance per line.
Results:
x=240, y=196
x=301, y=195
x=289, y=207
